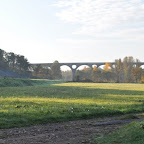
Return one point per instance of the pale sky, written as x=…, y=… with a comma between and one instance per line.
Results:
x=72, y=30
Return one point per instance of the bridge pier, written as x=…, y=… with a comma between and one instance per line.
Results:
x=73, y=75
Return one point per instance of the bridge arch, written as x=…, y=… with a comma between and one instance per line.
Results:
x=65, y=67
x=101, y=66
x=142, y=66
x=85, y=71
x=66, y=73
x=82, y=66
x=94, y=65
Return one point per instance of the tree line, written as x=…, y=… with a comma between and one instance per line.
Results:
x=20, y=64
x=127, y=70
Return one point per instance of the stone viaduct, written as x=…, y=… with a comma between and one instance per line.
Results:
x=74, y=66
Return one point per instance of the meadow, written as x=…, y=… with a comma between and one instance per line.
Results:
x=132, y=133
x=56, y=101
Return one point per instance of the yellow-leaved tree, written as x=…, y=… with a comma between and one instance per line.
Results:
x=108, y=67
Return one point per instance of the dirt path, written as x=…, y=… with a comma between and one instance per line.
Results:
x=73, y=132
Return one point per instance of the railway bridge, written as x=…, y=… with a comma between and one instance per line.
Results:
x=75, y=65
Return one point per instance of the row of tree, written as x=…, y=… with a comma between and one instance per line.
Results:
x=19, y=64
x=127, y=70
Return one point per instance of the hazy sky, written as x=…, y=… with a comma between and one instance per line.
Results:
x=72, y=30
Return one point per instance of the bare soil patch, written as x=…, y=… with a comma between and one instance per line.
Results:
x=73, y=132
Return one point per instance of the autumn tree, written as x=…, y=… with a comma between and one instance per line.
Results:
x=128, y=64
x=137, y=71
x=119, y=72
x=128, y=70
x=108, y=67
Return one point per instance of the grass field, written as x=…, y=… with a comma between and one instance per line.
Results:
x=132, y=133
x=13, y=82
x=53, y=102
